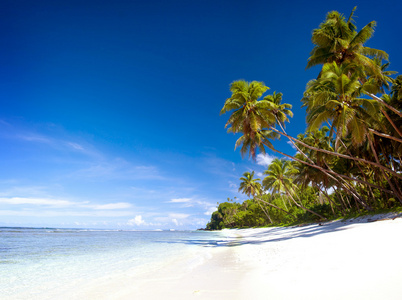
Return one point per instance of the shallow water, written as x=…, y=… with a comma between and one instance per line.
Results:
x=39, y=263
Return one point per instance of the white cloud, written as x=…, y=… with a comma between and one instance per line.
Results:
x=63, y=203
x=136, y=221
x=64, y=213
x=180, y=200
x=264, y=159
x=210, y=211
x=36, y=201
x=119, y=205
x=175, y=222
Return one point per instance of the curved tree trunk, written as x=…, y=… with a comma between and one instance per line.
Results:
x=385, y=113
x=384, y=174
x=334, y=174
x=269, y=218
x=270, y=204
x=339, y=154
x=390, y=107
x=290, y=139
x=301, y=206
x=385, y=135
x=329, y=199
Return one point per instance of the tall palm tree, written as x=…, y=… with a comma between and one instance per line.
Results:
x=336, y=40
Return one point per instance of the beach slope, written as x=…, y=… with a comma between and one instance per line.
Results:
x=357, y=259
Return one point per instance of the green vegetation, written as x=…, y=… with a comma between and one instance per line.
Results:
x=349, y=158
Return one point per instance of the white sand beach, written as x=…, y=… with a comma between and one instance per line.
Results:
x=358, y=259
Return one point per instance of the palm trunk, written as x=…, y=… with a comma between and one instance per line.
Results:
x=333, y=173
x=384, y=174
x=390, y=107
x=329, y=199
x=270, y=204
x=352, y=190
x=343, y=200
x=269, y=218
x=385, y=135
x=362, y=173
x=339, y=154
x=301, y=206
x=293, y=143
x=385, y=113
x=315, y=166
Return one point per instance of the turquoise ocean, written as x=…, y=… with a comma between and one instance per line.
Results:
x=36, y=263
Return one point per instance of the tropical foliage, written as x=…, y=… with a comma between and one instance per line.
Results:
x=349, y=158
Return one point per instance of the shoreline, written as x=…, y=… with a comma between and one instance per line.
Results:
x=352, y=259
x=343, y=259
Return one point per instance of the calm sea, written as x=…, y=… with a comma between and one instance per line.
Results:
x=38, y=262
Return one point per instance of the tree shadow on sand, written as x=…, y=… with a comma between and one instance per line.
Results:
x=234, y=238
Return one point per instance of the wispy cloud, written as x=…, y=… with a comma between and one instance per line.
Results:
x=75, y=146
x=52, y=136
x=180, y=200
x=119, y=205
x=118, y=168
x=31, y=137
x=64, y=213
x=36, y=201
x=56, y=203
x=194, y=202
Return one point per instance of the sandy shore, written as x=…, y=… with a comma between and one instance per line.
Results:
x=338, y=260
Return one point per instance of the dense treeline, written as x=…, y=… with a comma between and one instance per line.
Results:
x=349, y=158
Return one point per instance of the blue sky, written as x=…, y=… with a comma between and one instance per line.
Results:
x=110, y=109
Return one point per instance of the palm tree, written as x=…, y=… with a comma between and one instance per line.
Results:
x=250, y=186
x=279, y=178
x=252, y=116
x=335, y=98
x=336, y=40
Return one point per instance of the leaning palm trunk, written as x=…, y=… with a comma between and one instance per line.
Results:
x=268, y=217
x=270, y=204
x=385, y=135
x=300, y=205
x=338, y=154
x=328, y=198
x=334, y=174
x=397, y=194
x=351, y=189
x=323, y=170
x=393, y=109
x=386, y=104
